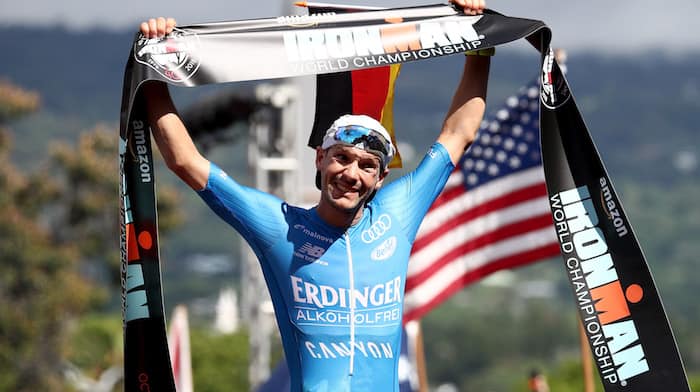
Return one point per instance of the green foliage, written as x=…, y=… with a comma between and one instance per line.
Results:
x=567, y=376
x=694, y=381
x=489, y=328
x=35, y=273
x=59, y=234
x=15, y=101
x=96, y=343
x=219, y=362
x=667, y=221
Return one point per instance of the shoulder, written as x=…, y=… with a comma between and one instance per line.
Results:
x=438, y=151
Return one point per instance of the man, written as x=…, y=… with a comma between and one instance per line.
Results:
x=335, y=272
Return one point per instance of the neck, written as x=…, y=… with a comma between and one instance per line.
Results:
x=338, y=218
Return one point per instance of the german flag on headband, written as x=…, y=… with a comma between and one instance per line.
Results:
x=366, y=91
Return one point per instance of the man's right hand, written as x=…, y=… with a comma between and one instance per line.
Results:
x=158, y=27
x=471, y=7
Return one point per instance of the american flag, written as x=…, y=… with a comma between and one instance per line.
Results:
x=493, y=213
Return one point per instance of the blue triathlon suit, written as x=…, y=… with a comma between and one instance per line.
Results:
x=337, y=294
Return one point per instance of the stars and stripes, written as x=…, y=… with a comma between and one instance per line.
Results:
x=493, y=213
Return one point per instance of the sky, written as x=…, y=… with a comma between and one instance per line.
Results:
x=621, y=26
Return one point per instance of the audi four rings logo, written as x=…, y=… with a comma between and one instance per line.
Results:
x=378, y=228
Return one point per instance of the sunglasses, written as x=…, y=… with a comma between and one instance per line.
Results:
x=369, y=139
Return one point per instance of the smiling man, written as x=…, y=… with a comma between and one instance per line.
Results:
x=336, y=272
x=352, y=162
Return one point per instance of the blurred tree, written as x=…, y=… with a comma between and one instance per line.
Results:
x=15, y=101
x=40, y=287
x=96, y=354
x=84, y=211
x=58, y=247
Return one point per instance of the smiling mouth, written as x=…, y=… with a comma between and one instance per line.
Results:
x=339, y=187
x=345, y=190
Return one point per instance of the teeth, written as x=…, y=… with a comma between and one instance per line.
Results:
x=344, y=189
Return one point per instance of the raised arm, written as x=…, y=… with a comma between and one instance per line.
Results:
x=469, y=101
x=171, y=136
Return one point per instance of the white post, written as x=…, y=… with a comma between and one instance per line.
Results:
x=271, y=158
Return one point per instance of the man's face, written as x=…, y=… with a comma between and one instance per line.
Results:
x=348, y=176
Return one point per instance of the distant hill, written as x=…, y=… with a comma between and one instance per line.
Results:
x=75, y=72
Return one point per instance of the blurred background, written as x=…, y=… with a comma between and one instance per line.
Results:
x=634, y=67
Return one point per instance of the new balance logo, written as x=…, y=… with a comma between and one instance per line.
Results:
x=309, y=252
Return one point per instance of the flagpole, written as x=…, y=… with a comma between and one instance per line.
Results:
x=586, y=360
x=420, y=360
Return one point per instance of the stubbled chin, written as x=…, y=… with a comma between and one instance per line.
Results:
x=348, y=198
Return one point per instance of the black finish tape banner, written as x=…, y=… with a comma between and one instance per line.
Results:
x=623, y=316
